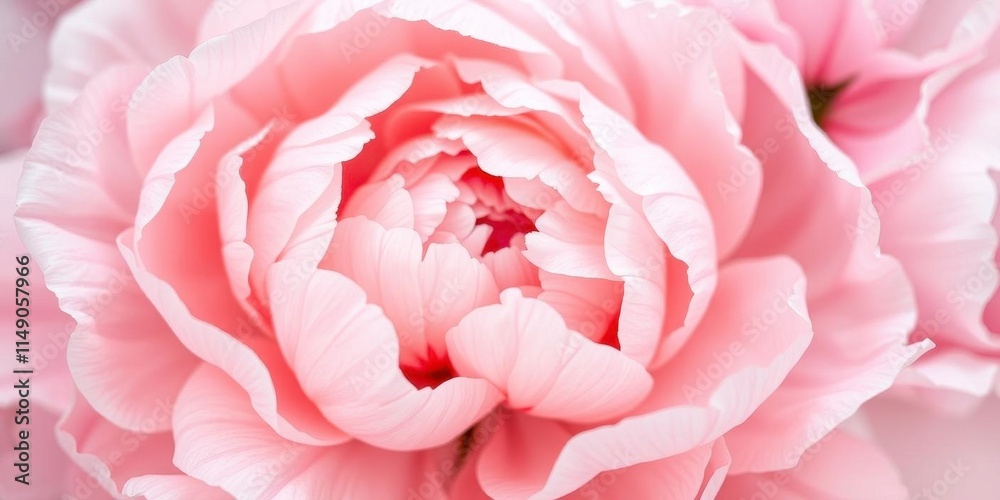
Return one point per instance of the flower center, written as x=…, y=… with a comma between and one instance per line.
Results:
x=493, y=208
x=820, y=99
x=506, y=225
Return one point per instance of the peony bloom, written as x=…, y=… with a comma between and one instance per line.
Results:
x=430, y=249
x=908, y=90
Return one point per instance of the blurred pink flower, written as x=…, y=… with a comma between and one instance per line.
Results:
x=908, y=89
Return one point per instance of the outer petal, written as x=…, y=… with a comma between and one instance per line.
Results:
x=942, y=455
x=221, y=440
x=93, y=282
x=52, y=470
x=837, y=467
x=171, y=487
x=103, y=34
x=188, y=283
x=110, y=455
x=50, y=327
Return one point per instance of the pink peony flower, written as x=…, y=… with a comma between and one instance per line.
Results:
x=907, y=89
x=428, y=249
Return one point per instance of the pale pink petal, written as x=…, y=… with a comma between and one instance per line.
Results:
x=304, y=164
x=717, y=471
x=588, y=306
x=368, y=397
x=949, y=251
x=171, y=487
x=839, y=466
x=515, y=461
x=93, y=282
x=536, y=443
x=637, y=255
x=554, y=25
x=519, y=149
x=679, y=477
x=949, y=379
x=928, y=26
x=222, y=441
x=251, y=359
x=110, y=455
x=430, y=200
x=852, y=358
x=642, y=175
x=193, y=294
x=386, y=203
x=103, y=34
x=223, y=16
x=834, y=48
x=423, y=293
x=687, y=102
x=175, y=93
x=939, y=455
x=569, y=242
x=522, y=346
x=511, y=269
x=233, y=181
x=758, y=20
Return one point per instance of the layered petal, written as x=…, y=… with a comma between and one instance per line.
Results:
x=523, y=347
x=317, y=322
